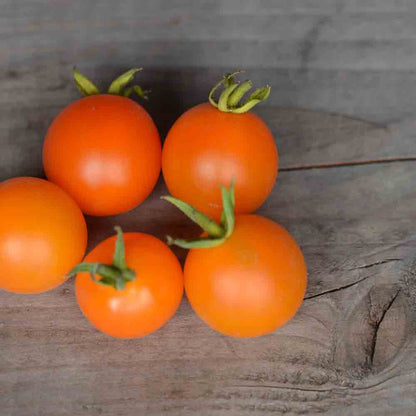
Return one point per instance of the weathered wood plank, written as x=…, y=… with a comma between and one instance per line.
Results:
x=349, y=57
x=331, y=356
x=345, y=191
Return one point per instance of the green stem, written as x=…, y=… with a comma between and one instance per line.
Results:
x=85, y=86
x=216, y=233
x=230, y=98
x=118, y=87
x=206, y=223
x=239, y=92
x=116, y=274
x=258, y=96
x=201, y=242
x=227, y=80
x=223, y=101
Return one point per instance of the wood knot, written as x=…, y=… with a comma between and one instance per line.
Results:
x=374, y=332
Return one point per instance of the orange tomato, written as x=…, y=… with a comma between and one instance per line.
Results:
x=42, y=235
x=245, y=276
x=105, y=151
x=211, y=144
x=146, y=303
x=251, y=284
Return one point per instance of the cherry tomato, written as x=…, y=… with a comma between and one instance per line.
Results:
x=140, y=306
x=43, y=235
x=244, y=277
x=251, y=284
x=208, y=147
x=105, y=151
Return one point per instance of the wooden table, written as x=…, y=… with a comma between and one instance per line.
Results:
x=346, y=191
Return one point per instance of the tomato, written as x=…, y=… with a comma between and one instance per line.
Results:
x=42, y=235
x=251, y=284
x=105, y=151
x=247, y=280
x=141, y=304
x=208, y=146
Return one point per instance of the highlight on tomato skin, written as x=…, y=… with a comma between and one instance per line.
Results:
x=129, y=285
x=215, y=142
x=245, y=276
x=104, y=149
x=43, y=235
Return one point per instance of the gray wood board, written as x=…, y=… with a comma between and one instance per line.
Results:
x=345, y=191
x=345, y=56
x=350, y=348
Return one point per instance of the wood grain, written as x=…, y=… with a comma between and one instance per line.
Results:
x=345, y=191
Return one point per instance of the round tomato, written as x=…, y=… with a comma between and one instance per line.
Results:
x=105, y=151
x=207, y=147
x=244, y=277
x=140, y=305
x=43, y=235
x=252, y=283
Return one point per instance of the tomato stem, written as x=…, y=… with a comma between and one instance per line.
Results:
x=116, y=274
x=216, y=233
x=117, y=87
x=230, y=99
x=85, y=86
x=206, y=223
x=239, y=92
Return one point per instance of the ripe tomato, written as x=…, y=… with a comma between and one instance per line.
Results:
x=139, y=306
x=245, y=277
x=42, y=235
x=207, y=147
x=251, y=284
x=105, y=151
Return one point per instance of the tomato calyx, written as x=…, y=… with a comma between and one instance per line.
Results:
x=231, y=98
x=216, y=233
x=118, y=87
x=116, y=274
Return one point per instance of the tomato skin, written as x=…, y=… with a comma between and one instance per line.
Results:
x=206, y=148
x=43, y=235
x=146, y=303
x=251, y=284
x=105, y=151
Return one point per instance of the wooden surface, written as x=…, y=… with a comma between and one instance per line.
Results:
x=346, y=191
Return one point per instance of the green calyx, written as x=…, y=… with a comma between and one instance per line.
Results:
x=118, y=87
x=231, y=97
x=216, y=233
x=116, y=274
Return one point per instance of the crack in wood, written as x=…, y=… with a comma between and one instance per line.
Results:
x=377, y=324
x=345, y=164
x=377, y=263
x=338, y=288
x=365, y=266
